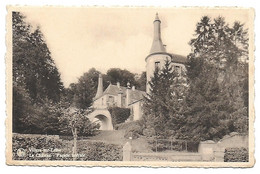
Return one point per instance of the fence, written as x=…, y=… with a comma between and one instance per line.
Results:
x=174, y=156
x=159, y=145
x=181, y=150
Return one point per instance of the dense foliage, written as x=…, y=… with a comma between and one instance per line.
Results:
x=36, y=81
x=217, y=73
x=119, y=115
x=115, y=75
x=210, y=99
x=28, y=143
x=100, y=151
x=81, y=94
x=236, y=155
x=73, y=122
x=90, y=151
x=33, y=67
x=133, y=129
x=141, y=82
x=158, y=145
x=163, y=105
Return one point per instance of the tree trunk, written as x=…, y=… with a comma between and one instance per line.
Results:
x=74, y=149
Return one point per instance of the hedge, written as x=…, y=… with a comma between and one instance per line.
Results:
x=62, y=149
x=132, y=129
x=236, y=155
x=33, y=144
x=119, y=115
x=100, y=151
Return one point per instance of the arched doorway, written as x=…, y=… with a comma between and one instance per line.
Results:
x=103, y=121
x=103, y=117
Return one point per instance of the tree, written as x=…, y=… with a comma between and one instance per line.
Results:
x=162, y=105
x=204, y=108
x=23, y=111
x=85, y=89
x=217, y=78
x=141, y=81
x=115, y=75
x=74, y=122
x=33, y=67
x=36, y=80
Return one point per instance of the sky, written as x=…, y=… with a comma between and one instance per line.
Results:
x=104, y=38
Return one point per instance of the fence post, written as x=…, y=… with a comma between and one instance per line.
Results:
x=206, y=149
x=156, y=145
x=127, y=152
x=171, y=144
x=219, y=154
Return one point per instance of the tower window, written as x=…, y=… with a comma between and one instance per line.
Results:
x=178, y=69
x=157, y=64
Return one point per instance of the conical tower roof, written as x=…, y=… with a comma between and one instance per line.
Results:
x=157, y=46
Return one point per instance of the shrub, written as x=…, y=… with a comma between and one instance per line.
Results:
x=119, y=115
x=132, y=129
x=90, y=151
x=236, y=155
x=165, y=144
x=100, y=151
x=75, y=121
x=135, y=131
x=28, y=142
x=124, y=126
x=192, y=146
x=29, y=118
x=149, y=132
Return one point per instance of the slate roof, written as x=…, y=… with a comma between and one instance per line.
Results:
x=135, y=95
x=157, y=45
x=179, y=58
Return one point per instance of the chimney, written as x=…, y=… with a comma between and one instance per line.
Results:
x=100, y=87
x=128, y=90
x=119, y=98
x=118, y=84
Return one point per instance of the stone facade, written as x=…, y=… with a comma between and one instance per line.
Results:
x=118, y=96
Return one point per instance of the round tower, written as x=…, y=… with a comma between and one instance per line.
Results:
x=157, y=55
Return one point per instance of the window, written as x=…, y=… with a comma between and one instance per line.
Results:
x=157, y=64
x=178, y=69
x=110, y=100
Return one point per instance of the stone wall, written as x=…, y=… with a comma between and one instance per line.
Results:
x=207, y=151
x=234, y=140
x=214, y=151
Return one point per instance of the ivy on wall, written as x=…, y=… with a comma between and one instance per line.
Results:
x=119, y=115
